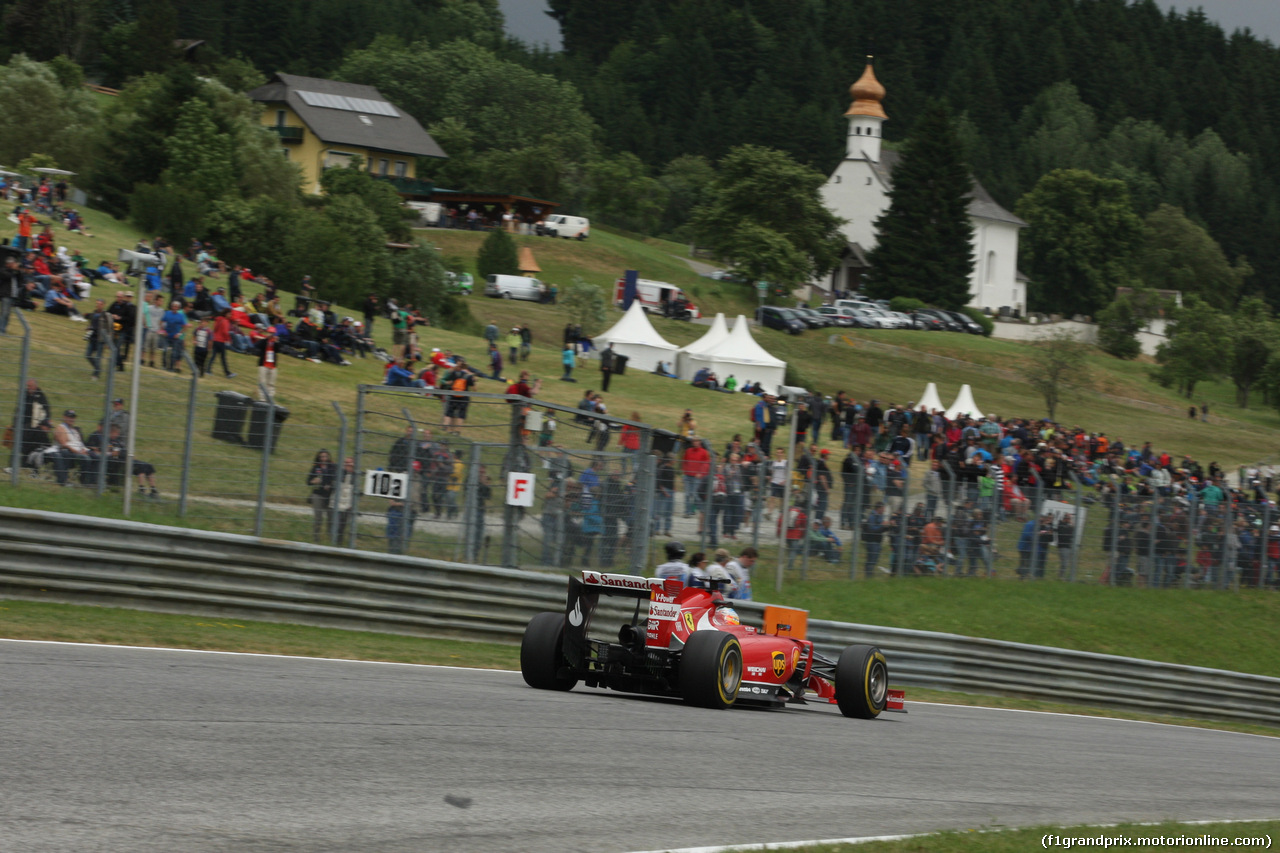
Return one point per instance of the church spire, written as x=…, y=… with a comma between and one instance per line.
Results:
x=865, y=116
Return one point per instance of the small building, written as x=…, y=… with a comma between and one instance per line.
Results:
x=323, y=123
x=858, y=192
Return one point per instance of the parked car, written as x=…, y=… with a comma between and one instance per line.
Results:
x=926, y=321
x=513, y=287
x=969, y=325
x=869, y=319
x=813, y=317
x=459, y=282
x=837, y=316
x=782, y=319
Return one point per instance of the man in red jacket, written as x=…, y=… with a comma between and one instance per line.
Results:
x=221, y=340
x=696, y=463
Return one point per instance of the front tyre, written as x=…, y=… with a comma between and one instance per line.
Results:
x=711, y=669
x=862, y=682
x=542, y=653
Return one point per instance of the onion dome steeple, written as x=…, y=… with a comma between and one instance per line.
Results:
x=865, y=116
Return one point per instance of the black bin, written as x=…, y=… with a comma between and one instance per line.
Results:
x=620, y=363
x=228, y=418
x=258, y=414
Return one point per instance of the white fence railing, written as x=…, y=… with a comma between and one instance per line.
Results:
x=54, y=557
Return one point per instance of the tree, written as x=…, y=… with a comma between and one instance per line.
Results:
x=585, y=305
x=686, y=179
x=623, y=194
x=1118, y=327
x=763, y=213
x=924, y=244
x=42, y=115
x=1081, y=241
x=1197, y=348
x=200, y=158
x=1252, y=341
x=1177, y=254
x=416, y=277
x=379, y=196
x=1056, y=367
x=497, y=255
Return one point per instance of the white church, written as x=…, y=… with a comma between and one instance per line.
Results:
x=858, y=192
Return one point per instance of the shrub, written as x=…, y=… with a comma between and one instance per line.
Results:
x=906, y=304
x=497, y=255
x=987, y=324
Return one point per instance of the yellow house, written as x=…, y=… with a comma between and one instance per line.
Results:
x=323, y=123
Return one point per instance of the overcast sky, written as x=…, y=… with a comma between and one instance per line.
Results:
x=526, y=19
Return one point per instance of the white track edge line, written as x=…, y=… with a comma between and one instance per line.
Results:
x=868, y=839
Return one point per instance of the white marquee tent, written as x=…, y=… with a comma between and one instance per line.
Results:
x=635, y=337
x=740, y=356
x=964, y=405
x=930, y=400
x=718, y=332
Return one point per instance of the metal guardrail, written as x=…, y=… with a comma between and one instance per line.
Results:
x=76, y=559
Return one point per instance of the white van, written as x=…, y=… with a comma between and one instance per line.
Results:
x=514, y=287
x=560, y=225
x=428, y=211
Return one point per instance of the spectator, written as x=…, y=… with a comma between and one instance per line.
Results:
x=60, y=300
x=461, y=378
x=739, y=570
x=125, y=316
x=513, y=345
x=201, y=338
x=97, y=335
x=873, y=529
x=321, y=478
x=119, y=418
x=70, y=449
x=221, y=340
x=606, y=367
x=695, y=466
x=345, y=499
x=152, y=329
x=569, y=361
x=173, y=325
x=267, y=365
x=495, y=362
x=526, y=342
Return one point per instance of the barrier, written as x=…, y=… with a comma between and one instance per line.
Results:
x=81, y=560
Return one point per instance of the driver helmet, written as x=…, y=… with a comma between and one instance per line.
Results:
x=727, y=616
x=675, y=550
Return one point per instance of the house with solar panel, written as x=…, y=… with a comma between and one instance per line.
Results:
x=324, y=123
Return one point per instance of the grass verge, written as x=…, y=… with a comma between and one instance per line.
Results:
x=993, y=839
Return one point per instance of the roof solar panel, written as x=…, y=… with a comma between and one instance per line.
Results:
x=342, y=102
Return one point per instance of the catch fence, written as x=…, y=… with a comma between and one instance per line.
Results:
x=606, y=492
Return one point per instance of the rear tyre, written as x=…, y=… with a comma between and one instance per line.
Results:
x=711, y=669
x=542, y=653
x=506, y=294
x=862, y=682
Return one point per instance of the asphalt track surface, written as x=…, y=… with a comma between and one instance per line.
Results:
x=138, y=750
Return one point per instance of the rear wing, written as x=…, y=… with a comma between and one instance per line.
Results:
x=631, y=585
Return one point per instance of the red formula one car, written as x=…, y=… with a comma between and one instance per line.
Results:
x=688, y=642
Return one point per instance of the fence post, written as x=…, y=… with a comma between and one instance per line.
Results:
x=187, y=438
x=406, y=524
x=1192, y=512
x=785, y=517
x=358, y=468
x=19, y=418
x=264, y=467
x=949, y=496
x=470, y=522
x=105, y=443
x=514, y=460
x=855, y=539
x=900, y=555
x=641, y=525
x=335, y=508
x=708, y=495
x=1263, y=559
x=810, y=487
x=762, y=492
x=1230, y=557
x=1153, y=556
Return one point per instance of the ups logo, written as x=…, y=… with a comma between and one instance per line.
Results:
x=779, y=663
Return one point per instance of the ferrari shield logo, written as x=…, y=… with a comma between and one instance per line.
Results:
x=779, y=663
x=688, y=621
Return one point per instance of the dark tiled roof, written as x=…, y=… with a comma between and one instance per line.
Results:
x=980, y=201
x=399, y=134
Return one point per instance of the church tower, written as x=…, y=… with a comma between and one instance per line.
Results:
x=865, y=116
